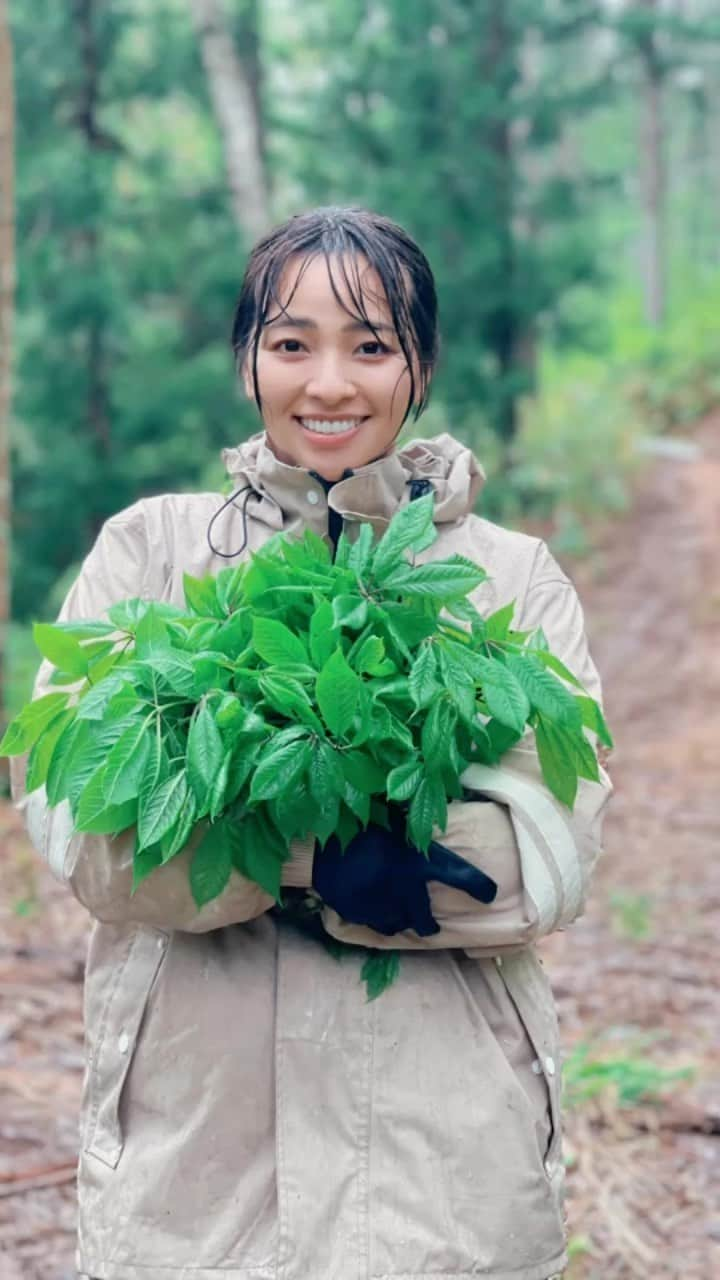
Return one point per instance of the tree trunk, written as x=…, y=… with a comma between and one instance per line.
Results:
x=88, y=247
x=7, y=287
x=653, y=179
x=504, y=336
x=234, y=83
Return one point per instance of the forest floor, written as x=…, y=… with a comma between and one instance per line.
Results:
x=636, y=978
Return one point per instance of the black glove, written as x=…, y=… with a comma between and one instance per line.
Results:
x=381, y=880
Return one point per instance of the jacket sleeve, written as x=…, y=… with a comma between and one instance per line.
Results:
x=98, y=869
x=540, y=854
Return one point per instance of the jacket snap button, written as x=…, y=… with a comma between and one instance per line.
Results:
x=537, y=1067
x=313, y=498
x=498, y=961
x=550, y=1066
x=123, y=1042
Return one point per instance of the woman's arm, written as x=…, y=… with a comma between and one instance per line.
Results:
x=98, y=869
x=539, y=853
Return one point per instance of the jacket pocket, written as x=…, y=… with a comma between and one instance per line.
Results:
x=115, y=1039
x=530, y=991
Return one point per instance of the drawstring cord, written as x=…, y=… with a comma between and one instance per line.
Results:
x=229, y=555
x=418, y=488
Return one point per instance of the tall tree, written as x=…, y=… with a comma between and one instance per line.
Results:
x=7, y=289
x=234, y=79
x=440, y=119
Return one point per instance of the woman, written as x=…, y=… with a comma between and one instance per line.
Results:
x=246, y=1113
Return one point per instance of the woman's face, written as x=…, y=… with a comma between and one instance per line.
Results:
x=333, y=397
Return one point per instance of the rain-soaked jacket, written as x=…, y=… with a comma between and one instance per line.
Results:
x=246, y=1113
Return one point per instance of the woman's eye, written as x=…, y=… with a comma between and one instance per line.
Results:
x=291, y=346
x=379, y=348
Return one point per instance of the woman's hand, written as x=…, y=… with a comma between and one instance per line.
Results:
x=381, y=881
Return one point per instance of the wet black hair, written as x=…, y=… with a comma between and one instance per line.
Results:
x=342, y=236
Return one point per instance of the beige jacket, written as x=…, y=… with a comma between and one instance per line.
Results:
x=246, y=1114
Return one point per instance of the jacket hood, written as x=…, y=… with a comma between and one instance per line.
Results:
x=372, y=492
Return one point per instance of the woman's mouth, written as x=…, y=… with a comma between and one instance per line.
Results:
x=331, y=430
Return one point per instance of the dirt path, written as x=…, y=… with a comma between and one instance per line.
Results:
x=640, y=972
x=637, y=976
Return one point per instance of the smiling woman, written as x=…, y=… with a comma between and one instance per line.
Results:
x=246, y=1114
x=336, y=338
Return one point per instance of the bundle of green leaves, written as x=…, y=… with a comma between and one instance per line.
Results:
x=295, y=695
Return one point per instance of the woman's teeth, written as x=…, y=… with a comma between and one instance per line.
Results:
x=325, y=428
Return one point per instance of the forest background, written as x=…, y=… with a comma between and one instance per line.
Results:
x=558, y=161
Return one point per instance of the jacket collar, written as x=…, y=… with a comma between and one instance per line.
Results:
x=372, y=492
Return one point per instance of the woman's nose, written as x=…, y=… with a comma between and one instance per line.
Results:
x=329, y=381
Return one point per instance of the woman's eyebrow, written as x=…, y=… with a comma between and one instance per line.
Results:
x=303, y=322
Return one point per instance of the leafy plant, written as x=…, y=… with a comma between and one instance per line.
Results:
x=629, y=1077
x=295, y=695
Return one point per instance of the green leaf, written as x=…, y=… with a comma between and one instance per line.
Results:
x=322, y=639
x=497, y=625
x=349, y=611
x=290, y=699
x=379, y=972
x=410, y=527
x=441, y=580
x=557, y=762
x=219, y=787
x=338, y=693
x=61, y=649
x=211, y=864
x=361, y=550
x=229, y=587
x=403, y=780
x=144, y=861
x=205, y=751
x=494, y=740
x=85, y=630
x=177, y=836
x=69, y=742
x=93, y=702
x=438, y=728
x=358, y=802
x=549, y=660
x=586, y=761
x=161, y=809
x=276, y=644
x=325, y=775
x=279, y=769
x=428, y=808
x=127, y=613
x=41, y=753
x=504, y=696
x=175, y=669
x=422, y=680
x=32, y=721
x=258, y=852
x=362, y=772
x=201, y=596
x=90, y=751
x=369, y=656
x=151, y=634
x=126, y=763
x=545, y=692
x=95, y=815
x=593, y=718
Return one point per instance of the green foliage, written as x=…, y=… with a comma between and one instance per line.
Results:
x=591, y=1071
x=275, y=734
x=631, y=914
